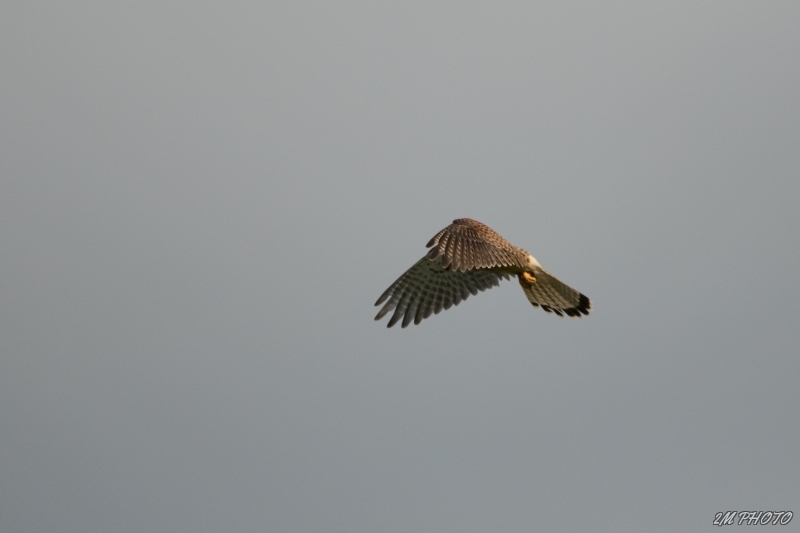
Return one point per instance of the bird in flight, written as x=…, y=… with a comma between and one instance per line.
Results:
x=467, y=257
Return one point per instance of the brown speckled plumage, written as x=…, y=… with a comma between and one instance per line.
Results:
x=467, y=257
x=467, y=244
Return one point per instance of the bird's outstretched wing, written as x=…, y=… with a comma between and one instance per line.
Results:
x=428, y=287
x=554, y=296
x=466, y=244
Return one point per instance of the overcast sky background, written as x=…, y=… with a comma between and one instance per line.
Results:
x=201, y=202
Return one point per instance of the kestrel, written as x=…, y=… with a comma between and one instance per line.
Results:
x=467, y=257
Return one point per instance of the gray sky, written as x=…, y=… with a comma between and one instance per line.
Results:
x=201, y=203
